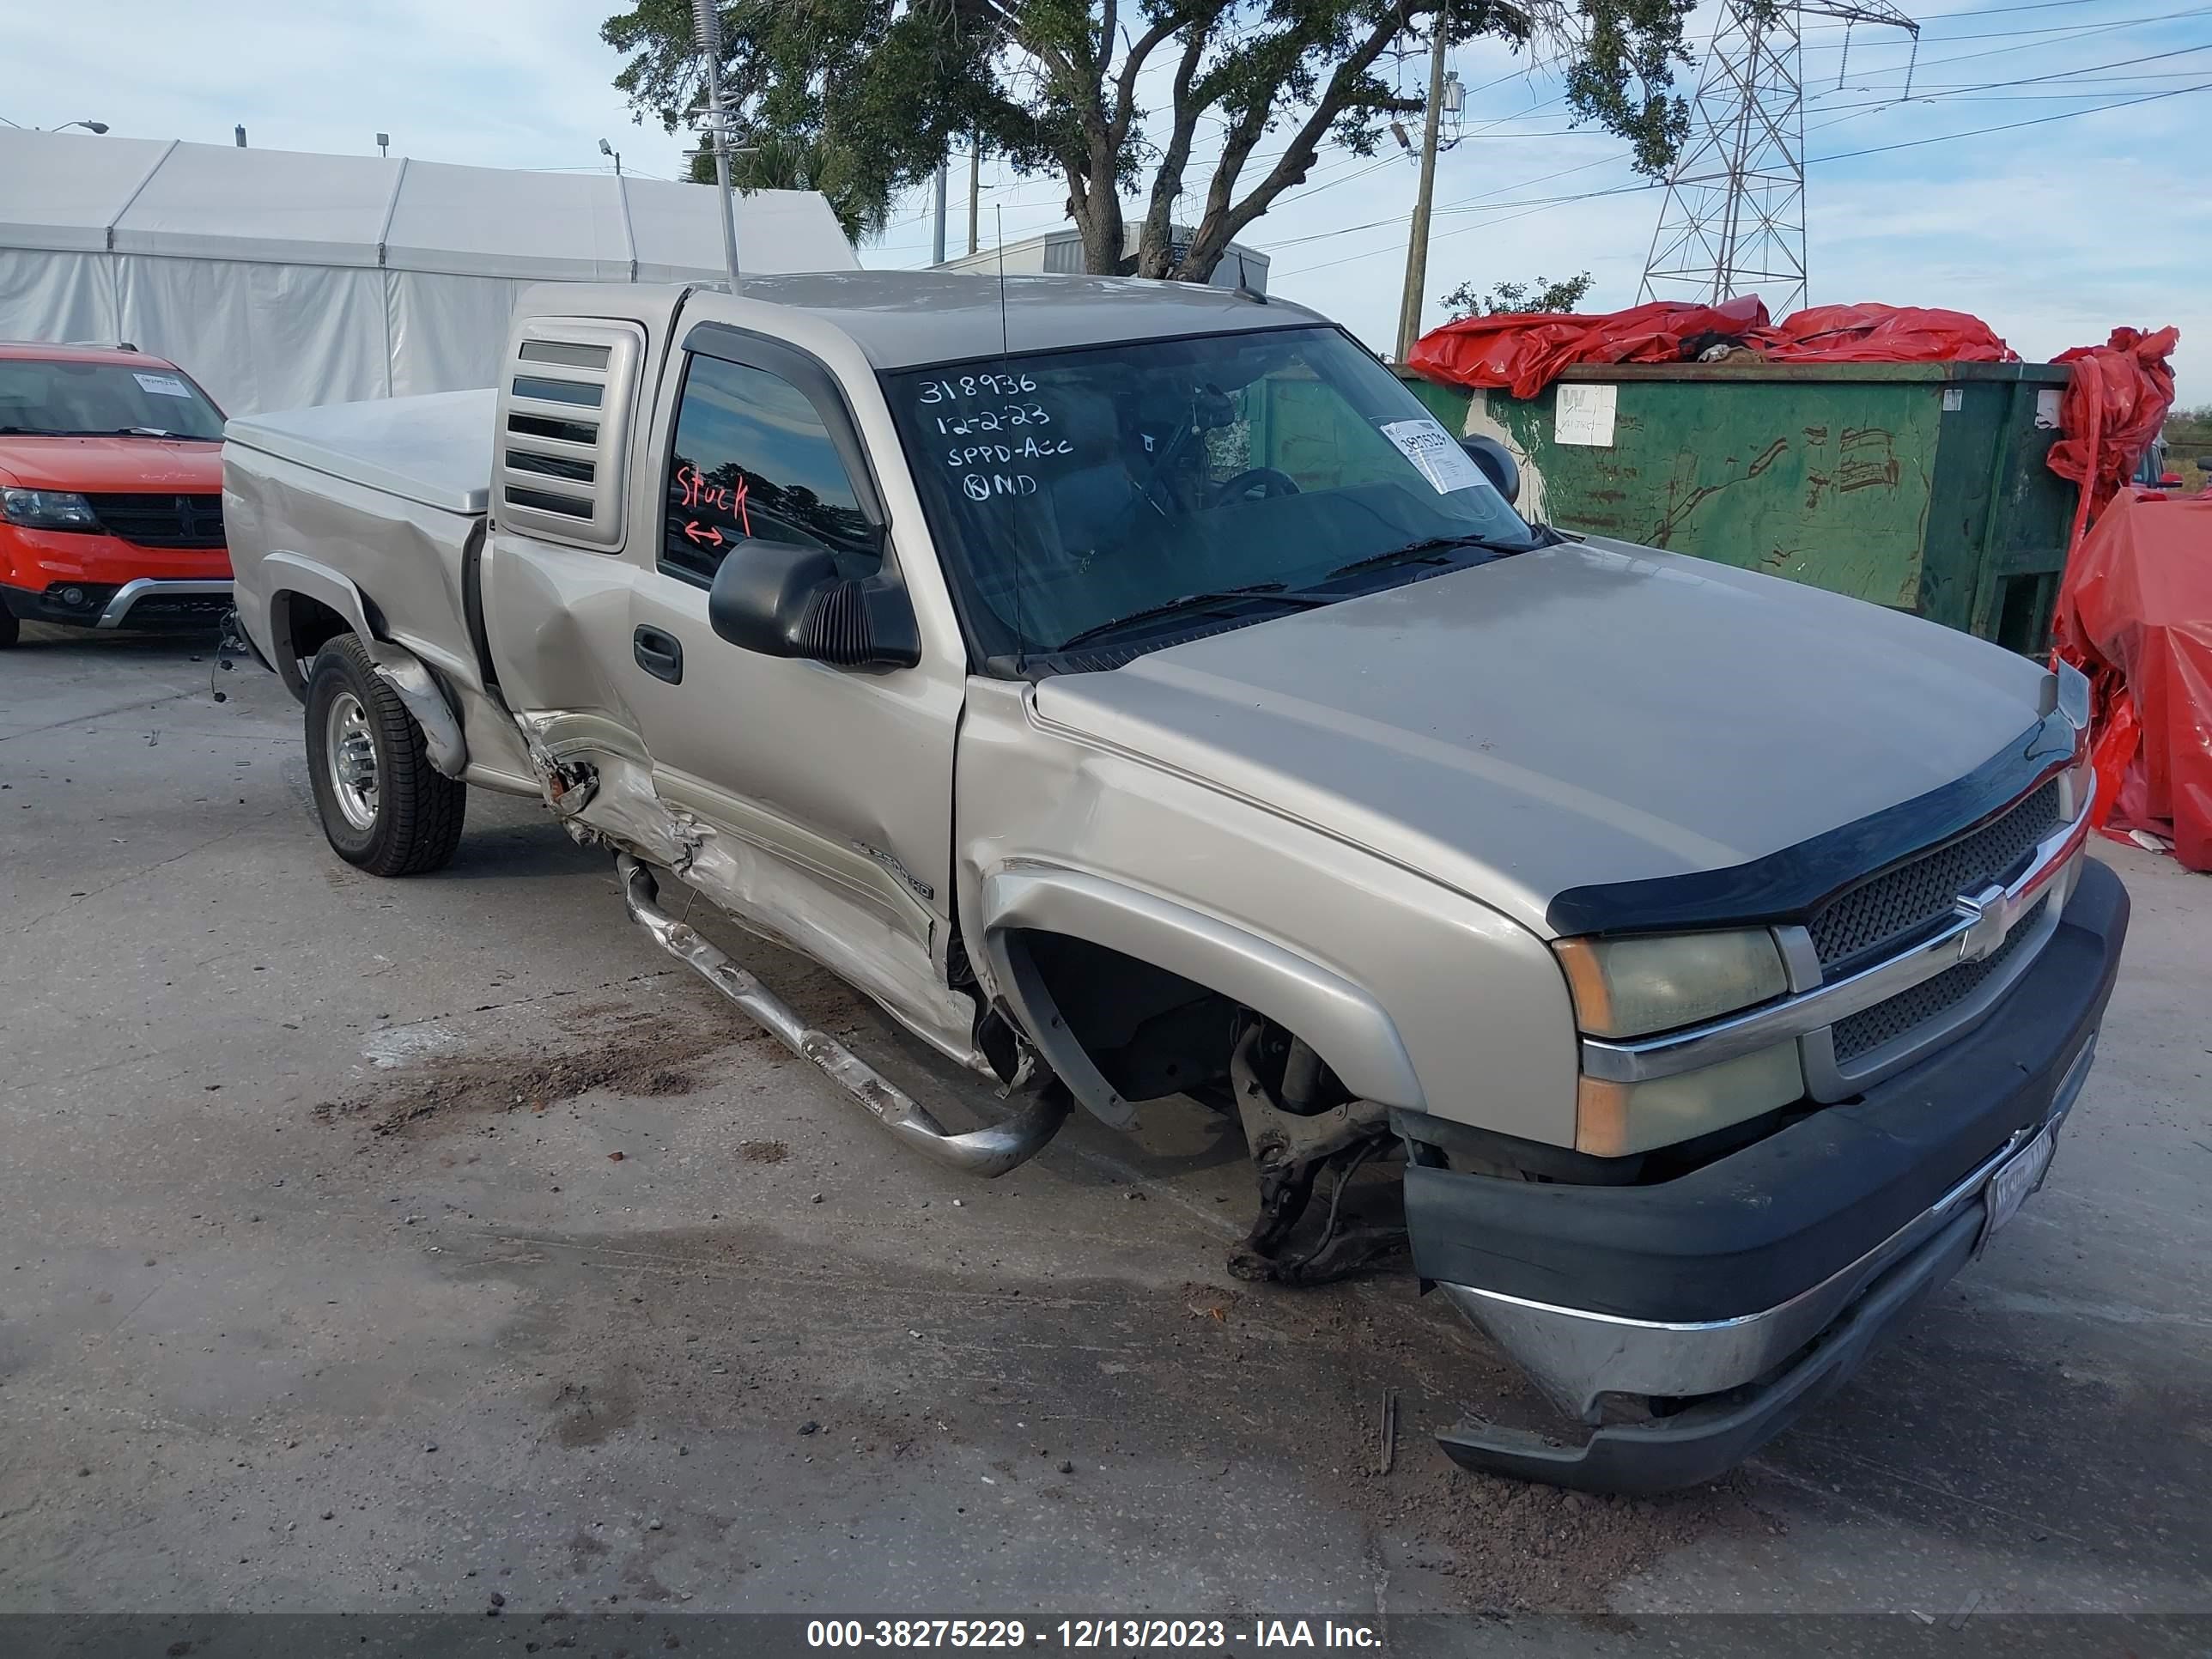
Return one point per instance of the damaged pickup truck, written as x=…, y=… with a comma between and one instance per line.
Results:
x=1132, y=688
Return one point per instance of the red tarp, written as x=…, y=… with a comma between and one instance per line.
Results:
x=2111, y=409
x=2134, y=614
x=1525, y=351
x=1888, y=334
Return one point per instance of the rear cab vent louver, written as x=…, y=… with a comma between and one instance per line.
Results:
x=565, y=400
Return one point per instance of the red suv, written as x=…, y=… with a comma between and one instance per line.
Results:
x=110, y=492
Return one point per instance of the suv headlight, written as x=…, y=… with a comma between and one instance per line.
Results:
x=1654, y=982
x=48, y=509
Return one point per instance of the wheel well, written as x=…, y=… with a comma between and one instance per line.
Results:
x=302, y=626
x=1148, y=1031
x=1152, y=1033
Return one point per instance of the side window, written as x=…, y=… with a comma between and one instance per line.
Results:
x=753, y=460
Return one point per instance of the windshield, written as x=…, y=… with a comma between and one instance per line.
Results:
x=60, y=398
x=1133, y=493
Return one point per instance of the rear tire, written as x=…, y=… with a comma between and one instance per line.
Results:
x=11, y=627
x=385, y=808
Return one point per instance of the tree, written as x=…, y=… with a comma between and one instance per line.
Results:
x=1548, y=295
x=784, y=160
x=1065, y=87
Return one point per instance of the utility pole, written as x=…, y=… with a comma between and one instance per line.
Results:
x=937, y=238
x=707, y=36
x=975, y=185
x=1416, y=250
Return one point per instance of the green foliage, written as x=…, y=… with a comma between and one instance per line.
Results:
x=873, y=94
x=1544, y=295
x=781, y=161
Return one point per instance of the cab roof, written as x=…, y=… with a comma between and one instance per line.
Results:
x=906, y=318
x=43, y=351
x=903, y=319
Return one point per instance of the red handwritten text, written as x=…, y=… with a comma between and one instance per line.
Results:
x=699, y=491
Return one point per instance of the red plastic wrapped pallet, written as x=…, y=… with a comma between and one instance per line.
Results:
x=2134, y=614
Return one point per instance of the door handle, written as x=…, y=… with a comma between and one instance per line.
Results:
x=660, y=654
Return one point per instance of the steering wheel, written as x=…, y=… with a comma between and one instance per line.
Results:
x=1265, y=480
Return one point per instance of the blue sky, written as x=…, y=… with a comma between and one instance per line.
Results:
x=2054, y=232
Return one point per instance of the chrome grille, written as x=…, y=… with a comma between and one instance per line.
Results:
x=1878, y=917
x=1869, y=1028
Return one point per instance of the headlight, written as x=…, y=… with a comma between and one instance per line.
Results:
x=1613, y=1119
x=47, y=509
x=1631, y=986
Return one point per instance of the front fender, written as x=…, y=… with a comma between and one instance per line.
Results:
x=1346, y=1026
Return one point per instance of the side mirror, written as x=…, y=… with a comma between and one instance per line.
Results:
x=784, y=600
x=1497, y=463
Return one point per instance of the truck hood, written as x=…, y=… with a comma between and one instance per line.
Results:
x=111, y=465
x=1591, y=712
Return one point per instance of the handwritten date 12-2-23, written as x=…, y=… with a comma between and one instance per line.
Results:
x=1005, y=417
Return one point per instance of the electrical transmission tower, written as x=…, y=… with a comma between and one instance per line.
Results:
x=1733, y=220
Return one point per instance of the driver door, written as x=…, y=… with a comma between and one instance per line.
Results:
x=828, y=791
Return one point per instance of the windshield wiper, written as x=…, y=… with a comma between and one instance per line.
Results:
x=1425, y=549
x=1272, y=591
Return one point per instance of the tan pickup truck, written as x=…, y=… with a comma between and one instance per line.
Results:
x=1133, y=689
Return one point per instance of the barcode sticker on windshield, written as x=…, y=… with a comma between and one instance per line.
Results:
x=165, y=385
x=1431, y=448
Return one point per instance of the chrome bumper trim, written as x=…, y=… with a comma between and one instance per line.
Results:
x=1977, y=927
x=1576, y=1356
x=147, y=587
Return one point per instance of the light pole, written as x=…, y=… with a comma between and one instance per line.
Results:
x=607, y=149
x=89, y=126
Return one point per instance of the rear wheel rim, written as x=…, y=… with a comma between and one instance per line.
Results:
x=349, y=752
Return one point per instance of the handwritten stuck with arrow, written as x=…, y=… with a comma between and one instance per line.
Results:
x=700, y=491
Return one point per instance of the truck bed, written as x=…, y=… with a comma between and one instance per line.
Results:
x=434, y=451
x=385, y=499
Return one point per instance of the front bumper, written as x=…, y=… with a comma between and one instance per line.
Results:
x=146, y=602
x=1742, y=1293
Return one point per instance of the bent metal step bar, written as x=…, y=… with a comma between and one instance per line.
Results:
x=991, y=1151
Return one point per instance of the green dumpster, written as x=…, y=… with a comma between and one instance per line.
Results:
x=1920, y=486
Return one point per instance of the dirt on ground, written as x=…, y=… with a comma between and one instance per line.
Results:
x=640, y=1059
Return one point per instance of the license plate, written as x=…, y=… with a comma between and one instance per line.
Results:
x=2016, y=1178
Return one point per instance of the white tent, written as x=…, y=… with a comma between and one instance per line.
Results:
x=279, y=279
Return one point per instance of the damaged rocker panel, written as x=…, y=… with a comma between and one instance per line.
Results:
x=991, y=1151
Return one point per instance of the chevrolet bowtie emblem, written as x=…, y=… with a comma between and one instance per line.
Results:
x=1990, y=918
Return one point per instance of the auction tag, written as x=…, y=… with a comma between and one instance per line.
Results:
x=166, y=386
x=1431, y=448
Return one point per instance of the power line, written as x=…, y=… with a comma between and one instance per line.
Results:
x=1542, y=204
x=2014, y=126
